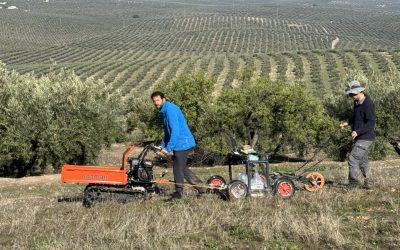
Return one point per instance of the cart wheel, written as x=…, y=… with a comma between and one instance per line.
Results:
x=317, y=179
x=215, y=182
x=284, y=187
x=237, y=190
x=91, y=196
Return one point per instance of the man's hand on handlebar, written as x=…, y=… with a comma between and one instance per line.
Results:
x=163, y=153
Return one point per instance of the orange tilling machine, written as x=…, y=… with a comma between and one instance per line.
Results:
x=132, y=181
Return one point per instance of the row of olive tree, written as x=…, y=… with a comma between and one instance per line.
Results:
x=54, y=119
x=273, y=116
x=59, y=118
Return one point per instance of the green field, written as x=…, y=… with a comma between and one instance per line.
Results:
x=133, y=45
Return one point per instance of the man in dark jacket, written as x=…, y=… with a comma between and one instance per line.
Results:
x=362, y=123
x=178, y=140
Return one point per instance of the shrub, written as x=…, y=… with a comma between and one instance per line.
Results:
x=54, y=119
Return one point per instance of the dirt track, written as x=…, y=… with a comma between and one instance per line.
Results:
x=29, y=180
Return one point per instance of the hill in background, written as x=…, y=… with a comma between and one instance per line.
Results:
x=134, y=44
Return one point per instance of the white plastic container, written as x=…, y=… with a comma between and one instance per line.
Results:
x=256, y=183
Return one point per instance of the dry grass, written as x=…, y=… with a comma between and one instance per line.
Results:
x=32, y=218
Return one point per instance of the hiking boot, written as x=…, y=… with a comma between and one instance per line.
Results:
x=368, y=185
x=175, y=196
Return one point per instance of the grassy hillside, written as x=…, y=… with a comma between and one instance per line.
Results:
x=133, y=45
x=32, y=218
x=137, y=71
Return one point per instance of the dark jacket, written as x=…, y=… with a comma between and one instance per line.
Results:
x=363, y=119
x=177, y=135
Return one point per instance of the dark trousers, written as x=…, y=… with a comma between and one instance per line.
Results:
x=182, y=172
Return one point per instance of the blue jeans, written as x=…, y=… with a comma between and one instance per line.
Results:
x=358, y=161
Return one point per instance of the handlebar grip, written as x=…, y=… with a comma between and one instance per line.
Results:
x=158, y=148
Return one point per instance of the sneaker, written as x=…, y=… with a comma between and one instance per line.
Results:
x=175, y=196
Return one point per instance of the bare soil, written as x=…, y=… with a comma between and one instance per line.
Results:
x=29, y=180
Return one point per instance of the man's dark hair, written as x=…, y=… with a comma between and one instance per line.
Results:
x=157, y=93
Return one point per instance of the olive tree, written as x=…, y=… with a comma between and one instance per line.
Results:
x=57, y=118
x=274, y=115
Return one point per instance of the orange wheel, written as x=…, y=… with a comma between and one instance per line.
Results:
x=317, y=179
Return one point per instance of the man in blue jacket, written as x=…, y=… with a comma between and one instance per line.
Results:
x=178, y=140
x=362, y=123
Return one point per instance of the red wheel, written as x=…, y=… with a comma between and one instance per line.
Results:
x=284, y=188
x=214, y=183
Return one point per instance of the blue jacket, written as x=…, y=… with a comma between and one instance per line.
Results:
x=177, y=135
